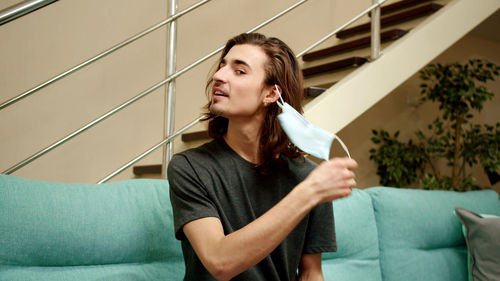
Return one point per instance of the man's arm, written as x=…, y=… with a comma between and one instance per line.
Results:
x=310, y=268
x=226, y=256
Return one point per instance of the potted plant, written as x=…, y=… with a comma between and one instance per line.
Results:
x=452, y=139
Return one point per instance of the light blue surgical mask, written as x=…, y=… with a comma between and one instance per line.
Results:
x=304, y=135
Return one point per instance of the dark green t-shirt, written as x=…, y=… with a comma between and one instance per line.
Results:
x=214, y=181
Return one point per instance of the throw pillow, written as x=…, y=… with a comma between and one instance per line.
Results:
x=483, y=242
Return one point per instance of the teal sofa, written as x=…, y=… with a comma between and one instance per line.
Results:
x=123, y=231
x=396, y=234
x=62, y=232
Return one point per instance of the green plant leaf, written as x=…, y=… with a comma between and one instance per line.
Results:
x=459, y=90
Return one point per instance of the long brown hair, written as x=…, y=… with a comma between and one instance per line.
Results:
x=281, y=69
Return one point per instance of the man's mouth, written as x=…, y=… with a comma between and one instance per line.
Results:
x=220, y=94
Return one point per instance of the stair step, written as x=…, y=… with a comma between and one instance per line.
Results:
x=334, y=66
x=147, y=169
x=392, y=20
x=312, y=92
x=400, y=5
x=353, y=45
x=200, y=135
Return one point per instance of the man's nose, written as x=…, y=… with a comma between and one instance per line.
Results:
x=220, y=75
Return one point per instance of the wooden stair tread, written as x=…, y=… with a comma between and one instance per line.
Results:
x=337, y=65
x=396, y=6
x=333, y=66
x=312, y=92
x=355, y=44
x=199, y=135
x=147, y=169
x=393, y=19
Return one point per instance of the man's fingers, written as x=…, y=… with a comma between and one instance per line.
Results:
x=350, y=164
x=348, y=174
x=351, y=183
x=344, y=162
x=341, y=193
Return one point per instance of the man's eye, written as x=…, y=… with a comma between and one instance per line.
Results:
x=239, y=72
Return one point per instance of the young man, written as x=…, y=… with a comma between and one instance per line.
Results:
x=248, y=205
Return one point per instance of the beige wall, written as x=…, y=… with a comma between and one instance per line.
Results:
x=51, y=40
x=8, y=3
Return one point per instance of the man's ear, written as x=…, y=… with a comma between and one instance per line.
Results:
x=272, y=95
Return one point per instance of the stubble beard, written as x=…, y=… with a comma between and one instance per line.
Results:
x=214, y=109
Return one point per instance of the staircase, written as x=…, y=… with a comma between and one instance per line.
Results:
x=341, y=85
x=362, y=88
x=327, y=66
x=341, y=82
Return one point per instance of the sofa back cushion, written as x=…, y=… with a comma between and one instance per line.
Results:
x=419, y=236
x=59, y=224
x=357, y=256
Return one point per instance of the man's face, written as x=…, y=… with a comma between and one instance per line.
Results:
x=238, y=86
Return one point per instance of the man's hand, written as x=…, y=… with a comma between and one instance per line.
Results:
x=331, y=179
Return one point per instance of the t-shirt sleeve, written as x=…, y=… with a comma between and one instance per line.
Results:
x=188, y=195
x=320, y=236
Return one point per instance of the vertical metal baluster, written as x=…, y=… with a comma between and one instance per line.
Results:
x=375, y=31
x=170, y=99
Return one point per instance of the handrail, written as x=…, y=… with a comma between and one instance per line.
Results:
x=372, y=7
x=147, y=152
x=194, y=64
x=22, y=9
x=194, y=122
x=79, y=131
x=136, y=98
x=101, y=55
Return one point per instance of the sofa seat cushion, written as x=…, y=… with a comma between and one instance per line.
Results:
x=419, y=236
x=357, y=256
x=58, y=224
x=159, y=271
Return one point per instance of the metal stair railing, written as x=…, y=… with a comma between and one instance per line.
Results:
x=375, y=53
x=375, y=32
x=149, y=151
x=22, y=9
x=101, y=55
x=137, y=97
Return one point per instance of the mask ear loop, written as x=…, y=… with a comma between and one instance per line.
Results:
x=282, y=101
x=342, y=144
